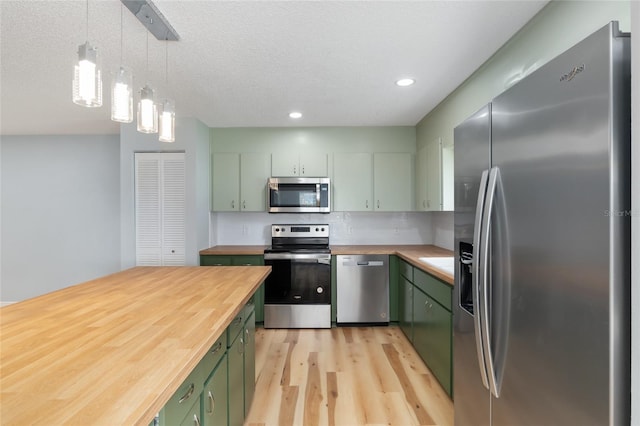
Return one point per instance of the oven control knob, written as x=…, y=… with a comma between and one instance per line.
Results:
x=317, y=229
x=322, y=229
x=320, y=290
x=277, y=229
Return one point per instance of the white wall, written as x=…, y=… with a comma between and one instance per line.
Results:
x=346, y=227
x=192, y=137
x=635, y=218
x=60, y=212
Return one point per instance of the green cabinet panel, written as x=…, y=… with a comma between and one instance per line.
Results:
x=352, y=181
x=393, y=182
x=255, y=169
x=421, y=178
x=394, y=265
x=334, y=289
x=291, y=163
x=214, y=400
x=225, y=185
x=249, y=363
x=406, y=270
x=247, y=260
x=440, y=291
x=183, y=399
x=432, y=333
x=235, y=359
x=405, y=307
x=209, y=260
x=193, y=417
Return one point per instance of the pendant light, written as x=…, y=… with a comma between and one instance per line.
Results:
x=122, y=88
x=87, y=79
x=168, y=110
x=147, y=109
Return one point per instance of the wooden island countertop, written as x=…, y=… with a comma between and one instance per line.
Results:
x=112, y=351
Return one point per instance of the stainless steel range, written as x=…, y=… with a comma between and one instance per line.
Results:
x=298, y=290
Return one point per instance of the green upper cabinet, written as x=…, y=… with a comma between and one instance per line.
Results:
x=307, y=164
x=254, y=172
x=429, y=176
x=421, y=179
x=393, y=181
x=352, y=182
x=434, y=175
x=225, y=187
x=239, y=181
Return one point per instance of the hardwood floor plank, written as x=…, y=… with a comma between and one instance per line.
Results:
x=344, y=376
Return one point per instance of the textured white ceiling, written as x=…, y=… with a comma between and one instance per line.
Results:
x=249, y=63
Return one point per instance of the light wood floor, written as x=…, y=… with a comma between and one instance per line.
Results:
x=344, y=376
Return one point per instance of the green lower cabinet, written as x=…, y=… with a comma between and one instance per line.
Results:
x=249, y=363
x=432, y=336
x=214, y=397
x=235, y=358
x=193, y=418
x=405, y=307
x=217, y=260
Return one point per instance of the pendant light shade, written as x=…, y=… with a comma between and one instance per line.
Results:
x=122, y=96
x=87, y=79
x=167, y=121
x=147, y=111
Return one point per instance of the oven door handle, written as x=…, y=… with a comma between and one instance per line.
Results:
x=304, y=257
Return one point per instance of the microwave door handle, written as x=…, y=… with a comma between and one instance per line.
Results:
x=317, y=194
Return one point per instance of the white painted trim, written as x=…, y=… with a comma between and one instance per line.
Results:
x=3, y=304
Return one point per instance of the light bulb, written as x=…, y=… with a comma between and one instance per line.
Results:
x=87, y=79
x=122, y=96
x=147, y=112
x=167, y=122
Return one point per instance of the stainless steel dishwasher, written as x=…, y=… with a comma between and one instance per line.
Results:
x=362, y=289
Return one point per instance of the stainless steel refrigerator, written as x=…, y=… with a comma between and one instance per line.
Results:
x=542, y=245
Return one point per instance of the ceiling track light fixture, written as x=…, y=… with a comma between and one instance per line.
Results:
x=87, y=79
x=122, y=87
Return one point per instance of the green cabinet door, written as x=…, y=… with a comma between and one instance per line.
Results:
x=255, y=169
x=225, y=185
x=405, y=307
x=249, y=363
x=235, y=359
x=215, y=260
x=352, y=181
x=393, y=188
x=193, y=418
x=432, y=328
x=214, y=396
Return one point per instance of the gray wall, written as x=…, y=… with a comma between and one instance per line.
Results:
x=60, y=212
x=192, y=137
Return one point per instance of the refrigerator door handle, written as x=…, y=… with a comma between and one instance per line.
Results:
x=475, y=274
x=494, y=176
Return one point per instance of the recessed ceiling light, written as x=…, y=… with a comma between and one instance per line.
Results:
x=403, y=82
x=295, y=114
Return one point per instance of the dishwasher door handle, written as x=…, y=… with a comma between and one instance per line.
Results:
x=371, y=263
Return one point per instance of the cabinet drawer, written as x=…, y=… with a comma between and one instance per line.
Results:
x=406, y=270
x=183, y=399
x=215, y=260
x=213, y=356
x=248, y=309
x=435, y=288
x=248, y=260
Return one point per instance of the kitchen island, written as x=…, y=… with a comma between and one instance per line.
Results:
x=115, y=349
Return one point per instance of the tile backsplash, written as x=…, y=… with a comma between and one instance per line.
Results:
x=346, y=227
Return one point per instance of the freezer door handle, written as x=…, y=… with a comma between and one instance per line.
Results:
x=485, y=278
x=476, y=284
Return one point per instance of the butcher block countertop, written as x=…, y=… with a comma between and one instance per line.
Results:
x=112, y=351
x=410, y=253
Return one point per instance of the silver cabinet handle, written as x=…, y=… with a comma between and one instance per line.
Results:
x=303, y=169
x=247, y=264
x=294, y=170
x=378, y=203
x=366, y=203
x=237, y=320
x=196, y=420
x=212, y=403
x=241, y=346
x=233, y=204
x=188, y=394
x=216, y=348
x=244, y=205
x=217, y=264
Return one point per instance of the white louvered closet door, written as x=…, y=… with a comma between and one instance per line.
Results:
x=160, y=205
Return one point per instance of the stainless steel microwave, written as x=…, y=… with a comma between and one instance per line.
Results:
x=298, y=195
